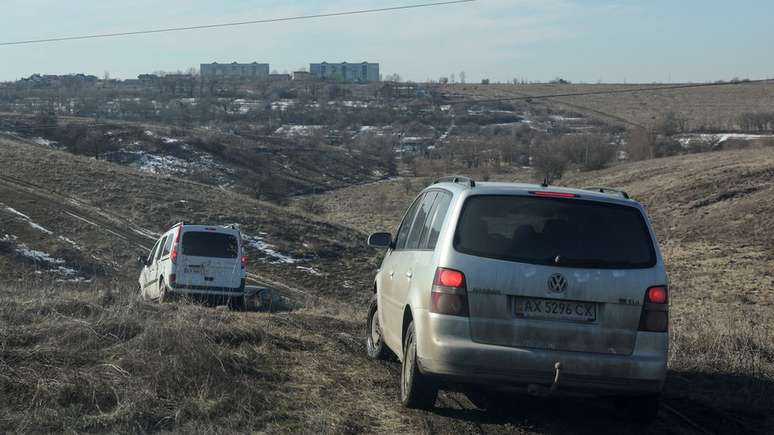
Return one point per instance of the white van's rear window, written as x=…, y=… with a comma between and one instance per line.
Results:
x=561, y=232
x=207, y=244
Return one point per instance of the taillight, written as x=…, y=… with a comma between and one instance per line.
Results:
x=554, y=194
x=173, y=254
x=655, y=310
x=244, y=261
x=656, y=295
x=449, y=294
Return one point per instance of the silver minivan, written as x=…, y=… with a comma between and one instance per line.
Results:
x=511, y=286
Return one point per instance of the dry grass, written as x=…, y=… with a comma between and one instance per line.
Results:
x=713, y=217
x=100, y=360
x=78, y=361
x=713, y=107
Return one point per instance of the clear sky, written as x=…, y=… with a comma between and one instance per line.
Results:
x=580, y=40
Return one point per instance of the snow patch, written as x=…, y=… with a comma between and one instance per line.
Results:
x=38, y=256
x=686, y=139
x=311, y=270
x=298, y=130
x=26, y=218
x=45, y=142
x=259, y=244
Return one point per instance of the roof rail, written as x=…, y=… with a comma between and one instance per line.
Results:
x=609, y=191
x=456, y=179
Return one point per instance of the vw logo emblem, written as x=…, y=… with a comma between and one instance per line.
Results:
x=557, y=283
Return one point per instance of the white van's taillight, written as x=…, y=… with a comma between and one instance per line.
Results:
x=655, y=310
x=175, y=244
x=449, y=294
x=244, y=261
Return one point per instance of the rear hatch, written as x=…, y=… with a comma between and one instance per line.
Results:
x=209, y=259
x=555, y=273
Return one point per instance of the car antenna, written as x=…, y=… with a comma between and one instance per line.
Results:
x=545, y=182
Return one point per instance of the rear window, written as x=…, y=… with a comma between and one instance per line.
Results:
x=562, y=232
x=205, y=244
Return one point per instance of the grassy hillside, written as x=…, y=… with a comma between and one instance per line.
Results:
x=713, y=214
x=69, y=195
x=242, y=160
x=712, y=107
x=91, y=357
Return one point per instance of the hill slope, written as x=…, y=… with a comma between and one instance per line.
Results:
x=713, y=215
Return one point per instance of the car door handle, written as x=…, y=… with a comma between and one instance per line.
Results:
x=409, y=274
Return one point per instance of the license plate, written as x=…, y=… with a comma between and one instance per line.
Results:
x=198, y=270
x=554, y=309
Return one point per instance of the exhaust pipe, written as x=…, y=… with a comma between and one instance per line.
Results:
x=543, y=391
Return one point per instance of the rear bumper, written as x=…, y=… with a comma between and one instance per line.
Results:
x=446, y=350
x=204, y=290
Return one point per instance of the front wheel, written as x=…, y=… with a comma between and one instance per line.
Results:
x=374, y=345
x=416, y=389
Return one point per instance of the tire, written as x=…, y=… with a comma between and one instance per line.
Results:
x=163, y=296
x=375, y=347
x=641, y=409
x=237, y=303
x=416, y=390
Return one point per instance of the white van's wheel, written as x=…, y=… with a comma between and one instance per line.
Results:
x=416, y=389
x=374, y=345
x=163, y=297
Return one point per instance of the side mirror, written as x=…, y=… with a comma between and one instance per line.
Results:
x=380, y=240
x=141, y=261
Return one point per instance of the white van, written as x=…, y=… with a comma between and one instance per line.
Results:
x=197, y=261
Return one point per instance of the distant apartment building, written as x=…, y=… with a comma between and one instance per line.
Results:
x=255, y=69
x=346, y=72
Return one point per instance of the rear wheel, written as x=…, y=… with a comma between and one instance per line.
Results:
x=163, y=296
x=237, y=303
x=416, y=389
x=374, y=345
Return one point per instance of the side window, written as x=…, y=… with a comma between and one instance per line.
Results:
x=419, y=222
x=161, y=247
x=167, y=246
x=441, y=207
x=153, y=251
x=405, y=226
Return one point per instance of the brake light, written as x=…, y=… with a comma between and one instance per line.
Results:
x=450, y=278
x=656, y=295
x=449, y=294
x=173, y=254
x=655, y=310
x=555, y=194
x=244, y=261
